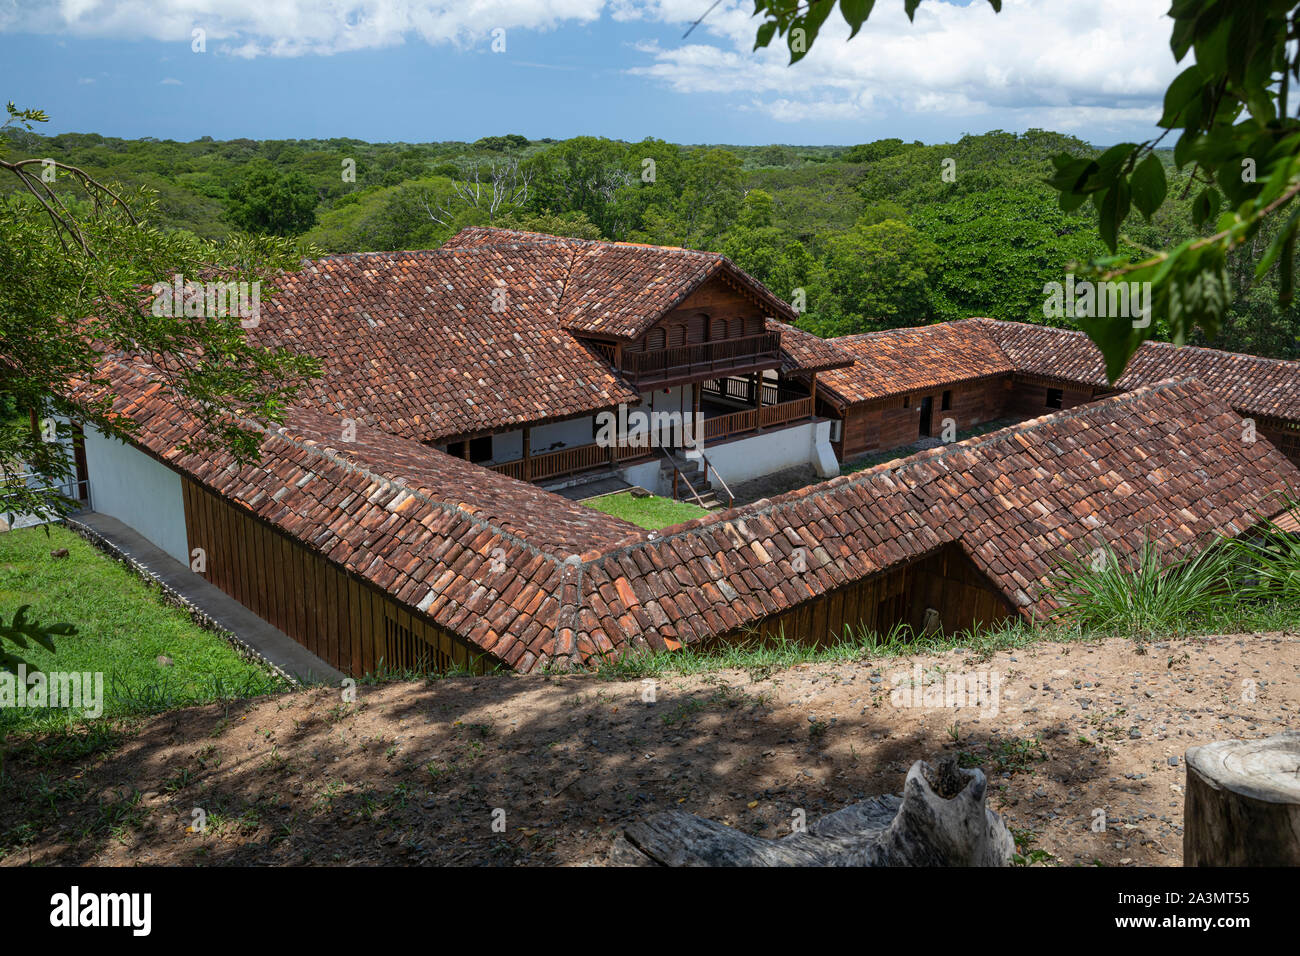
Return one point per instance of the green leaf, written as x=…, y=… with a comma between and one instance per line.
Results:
x=765, y=33
x=855, y=14
x=1148, y=185
x=1276, y=246
x=1205, y=206
x=1186, y=87
x=1112, y=209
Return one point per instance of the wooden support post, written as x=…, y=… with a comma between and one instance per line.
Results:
x=528, y=453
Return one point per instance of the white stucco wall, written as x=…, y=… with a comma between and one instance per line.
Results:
x=138, y=491
x=769, y=452
x=508, y=446
x=577, y=431
x=644, y=475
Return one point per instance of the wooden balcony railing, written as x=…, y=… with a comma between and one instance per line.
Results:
x=765, y=417
x=566, y=461
x=737, y=390
x=685, y=361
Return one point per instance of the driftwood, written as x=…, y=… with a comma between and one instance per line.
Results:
x=940, y=820
x=1243, y=803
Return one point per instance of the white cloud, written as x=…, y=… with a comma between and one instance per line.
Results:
x=1078, y=62
x=1071, y=62
x=170, y=81
x=295, y=27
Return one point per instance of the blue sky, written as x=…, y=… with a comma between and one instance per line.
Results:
x=422, y=70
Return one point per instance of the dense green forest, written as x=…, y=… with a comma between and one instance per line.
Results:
x=862, y=237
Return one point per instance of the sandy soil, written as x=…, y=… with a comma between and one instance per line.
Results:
x=418, y=773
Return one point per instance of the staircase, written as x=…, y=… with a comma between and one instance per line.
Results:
x=692, y=477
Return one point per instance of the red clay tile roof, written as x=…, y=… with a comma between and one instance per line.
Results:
x=1257, y=386
x=621, y=289
x=804, y=352
x=410, y=341
x=481, y=554
x=573, y=584
x=898, y=361
x=1166, y=459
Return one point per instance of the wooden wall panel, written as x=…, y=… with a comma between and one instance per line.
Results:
x=887, y=424
x=345, y=621
x=946, y=581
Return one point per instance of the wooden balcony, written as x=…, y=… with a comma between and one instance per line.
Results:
x=737, y=423
x=685, y=363
x=567, y=461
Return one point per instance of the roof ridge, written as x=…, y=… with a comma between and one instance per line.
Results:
x=821, y=489
x=1155, y=343
x=549, y=239
x=329, y=453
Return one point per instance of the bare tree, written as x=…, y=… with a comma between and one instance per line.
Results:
x=490, y=186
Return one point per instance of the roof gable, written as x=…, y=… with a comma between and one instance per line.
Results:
x=621, y=289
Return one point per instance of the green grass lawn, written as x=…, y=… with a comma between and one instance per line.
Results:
x=652, y=513
x=122, y=628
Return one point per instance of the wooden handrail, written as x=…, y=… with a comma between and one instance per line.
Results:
x=738, y=390
x=755, y=418
x=731, y=499
x=678, y=473
x=565, y=461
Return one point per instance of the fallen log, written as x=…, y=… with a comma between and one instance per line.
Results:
x=1242, y=806
x=940, y=820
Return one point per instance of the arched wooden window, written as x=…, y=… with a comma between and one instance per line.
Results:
x=676, y=335
x=656, y=339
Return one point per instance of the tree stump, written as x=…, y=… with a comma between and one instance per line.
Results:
x=940, y=820
x=1242, y=805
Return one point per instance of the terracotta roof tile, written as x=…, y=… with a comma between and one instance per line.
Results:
x=898, y=361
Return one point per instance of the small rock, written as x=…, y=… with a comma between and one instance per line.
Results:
x=165, y=661
x=59, y=553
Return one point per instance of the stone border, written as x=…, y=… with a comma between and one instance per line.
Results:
x=175, y=598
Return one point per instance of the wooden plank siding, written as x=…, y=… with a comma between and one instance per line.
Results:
x=345, y=621
x=945, y=581
x=894, y=422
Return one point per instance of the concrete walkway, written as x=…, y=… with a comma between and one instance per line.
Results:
x=263, y=638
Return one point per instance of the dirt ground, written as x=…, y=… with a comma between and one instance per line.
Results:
x=1082, y=734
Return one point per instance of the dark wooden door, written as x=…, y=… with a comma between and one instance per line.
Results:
x=927, y=415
